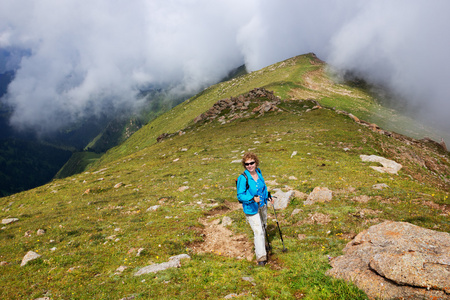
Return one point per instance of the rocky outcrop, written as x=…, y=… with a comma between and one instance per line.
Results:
x=265, y=101
x=397, y=260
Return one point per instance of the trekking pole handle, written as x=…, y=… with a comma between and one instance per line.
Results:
x=270, y=197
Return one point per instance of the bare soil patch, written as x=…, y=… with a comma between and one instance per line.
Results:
x=220, y=240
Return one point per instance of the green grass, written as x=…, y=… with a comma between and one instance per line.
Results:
x=93, y=227
x=94, y=232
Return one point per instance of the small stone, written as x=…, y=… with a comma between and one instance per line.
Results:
x=9, y=221
x=139, y=252
x=249, y=279
x=319, y=194
x=118, y=185
x=120, y=270
x=31, y=255
x=183, y=188
x=174, y=262
x=40, y=232
x=301, y=236
x=153, y=208
x=380, y=186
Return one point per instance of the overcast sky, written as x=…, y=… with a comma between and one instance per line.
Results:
x=76, y=58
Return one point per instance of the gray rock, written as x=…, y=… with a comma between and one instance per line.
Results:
x=249, y=279
x=9, y=220
x=397, y=260
x=380, y=186
x=120, y=270
x=319, y=194
x=153, y=208
x=174, y=262
x=389, y=166
x=31, y=255
x=281, y=199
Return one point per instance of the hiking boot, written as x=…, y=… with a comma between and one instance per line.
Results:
x=262, y=263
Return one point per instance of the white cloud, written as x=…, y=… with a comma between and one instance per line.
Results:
x=92, y=55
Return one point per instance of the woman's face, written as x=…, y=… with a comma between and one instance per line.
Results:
x=250, y=165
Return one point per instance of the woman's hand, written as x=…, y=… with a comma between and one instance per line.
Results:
x=256, y=198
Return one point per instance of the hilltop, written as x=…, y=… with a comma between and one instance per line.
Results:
x=150, y=199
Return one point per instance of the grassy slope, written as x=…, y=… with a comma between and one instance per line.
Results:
x=94, y=226
x=300, y=77
x=182, y=115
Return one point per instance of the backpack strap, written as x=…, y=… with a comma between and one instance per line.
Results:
x=247, y=186
x=246, y=182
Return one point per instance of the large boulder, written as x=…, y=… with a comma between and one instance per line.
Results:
x=397, y=260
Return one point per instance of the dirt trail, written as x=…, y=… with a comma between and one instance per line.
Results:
x=220, y=240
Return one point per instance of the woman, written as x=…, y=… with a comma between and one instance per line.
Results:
x=252, y=193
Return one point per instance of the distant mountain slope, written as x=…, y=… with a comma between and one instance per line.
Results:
x=26, y=164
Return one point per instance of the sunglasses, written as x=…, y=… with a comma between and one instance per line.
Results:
x=250, y=163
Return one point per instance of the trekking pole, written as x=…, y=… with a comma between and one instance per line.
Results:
x=279, y=229
x=267, y=239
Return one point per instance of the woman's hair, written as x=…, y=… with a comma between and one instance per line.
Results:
x=250, y=155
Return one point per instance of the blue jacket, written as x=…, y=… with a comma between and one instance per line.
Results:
x=255, y=188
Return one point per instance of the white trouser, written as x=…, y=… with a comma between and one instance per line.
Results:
x=257, y=223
